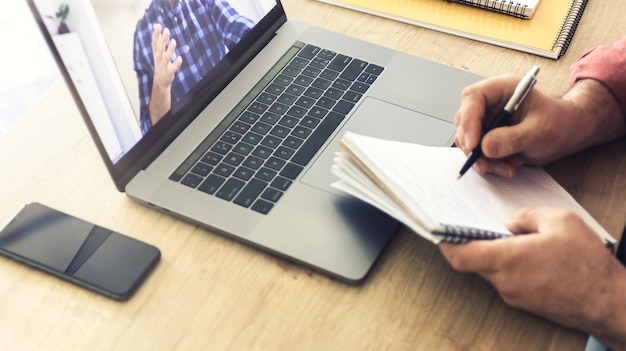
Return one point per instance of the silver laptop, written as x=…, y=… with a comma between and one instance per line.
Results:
x=243, y=138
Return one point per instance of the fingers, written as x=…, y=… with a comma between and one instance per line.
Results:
x=476, y=256
x=161, y=50
x=479, y=103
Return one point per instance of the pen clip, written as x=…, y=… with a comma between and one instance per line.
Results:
x=522, y=89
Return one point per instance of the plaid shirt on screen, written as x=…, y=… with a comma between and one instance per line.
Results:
x=204, y=31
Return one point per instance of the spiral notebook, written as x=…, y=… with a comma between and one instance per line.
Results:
x=548, y=33
x=516, y=8
x=418, y=186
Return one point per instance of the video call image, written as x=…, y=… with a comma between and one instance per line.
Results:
x=133, y=61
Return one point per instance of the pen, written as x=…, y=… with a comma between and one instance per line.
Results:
x=520, y=92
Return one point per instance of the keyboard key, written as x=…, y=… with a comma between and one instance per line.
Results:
x=291, y=71
x=272, y=194
x=317, y=139
x=287, y=99
x=305, y=102
x=295, y=89
x=192, y=180
x=250, y=117
x=326, y=102
x=240, y=127
x=224, y=169
x=327, y=54
x=275, y=89
x=262, y=152
x=374, y=69
x=343, y=107
x=360, y=87
x=311, y=71
x=201, y=169
x=339, y=62
x=352, y=96
x=212, y=158
x=265, y=174
x=318, y=112
x=261, y=128
x=309, y=51
x=310, y=122
x=319, y=63
x=283, y=80
x=253, y=162
x=291, y=171
x=330, y=75
x=266, y=98
x=284, y=152
x=280, y=131
x=278, y=108
x=211, y=184
x=250, y=192
x=243, y=148
x=270, y=118
x=353, y=70
x=230, y=189
x=234, y=159
x=299, y=62
x=281, y=183
x=271, y=141
x=257, y=107
x=341, y=84
x=293, y=142
x=301, y=132
x=262, y=206
x=297, y=111
x=275, y=163
x=231, y=137
x=221, y=148
x=303, y=80
x=243, y=173
x=252, y=138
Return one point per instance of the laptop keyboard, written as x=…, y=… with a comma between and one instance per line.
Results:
x=267, y=140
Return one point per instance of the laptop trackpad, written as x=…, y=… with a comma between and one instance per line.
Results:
x=385, y=120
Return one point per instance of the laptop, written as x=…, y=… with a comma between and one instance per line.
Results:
x=246, y=150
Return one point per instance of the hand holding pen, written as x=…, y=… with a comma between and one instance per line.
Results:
x=520, y=92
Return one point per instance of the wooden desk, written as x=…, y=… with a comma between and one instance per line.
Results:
x=210, y=293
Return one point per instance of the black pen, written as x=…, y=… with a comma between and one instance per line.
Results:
x=520, y=92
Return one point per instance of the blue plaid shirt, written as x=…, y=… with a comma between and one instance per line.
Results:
x=204, y=31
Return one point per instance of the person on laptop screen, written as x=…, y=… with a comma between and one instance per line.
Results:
x=176, y=44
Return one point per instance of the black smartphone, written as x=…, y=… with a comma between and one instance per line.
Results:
x=73, y=249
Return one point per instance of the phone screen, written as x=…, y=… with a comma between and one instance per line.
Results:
x=76, y=250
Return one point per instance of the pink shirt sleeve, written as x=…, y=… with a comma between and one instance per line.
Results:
x=606, y=64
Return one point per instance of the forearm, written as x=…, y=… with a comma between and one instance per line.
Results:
x=597, y=113
x=609, y=325
x=160, y=103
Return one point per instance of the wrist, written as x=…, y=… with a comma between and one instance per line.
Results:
x=608, y=323
x=596, y=112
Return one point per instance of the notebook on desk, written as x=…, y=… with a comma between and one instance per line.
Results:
x=247, y=151
x=548, y=33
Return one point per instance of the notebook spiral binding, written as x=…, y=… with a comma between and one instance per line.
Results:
x=455, y=234
x=503, y=6
x=568, y=28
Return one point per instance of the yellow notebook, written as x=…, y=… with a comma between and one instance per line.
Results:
x=548, y=33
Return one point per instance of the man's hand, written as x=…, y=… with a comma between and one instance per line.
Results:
x=556, y=266
x=164, y=72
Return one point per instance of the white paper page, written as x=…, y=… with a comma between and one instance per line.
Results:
x=425, y=178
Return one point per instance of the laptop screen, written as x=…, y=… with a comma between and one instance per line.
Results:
x=135, y=63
